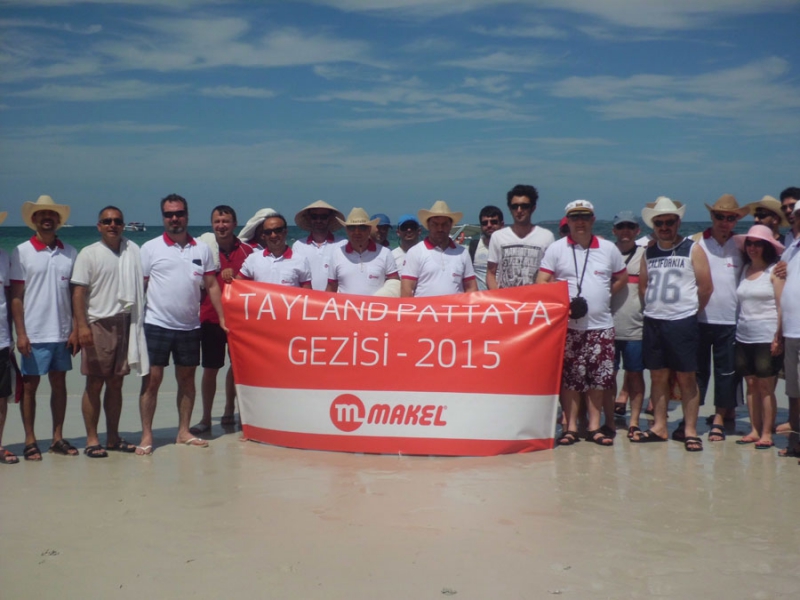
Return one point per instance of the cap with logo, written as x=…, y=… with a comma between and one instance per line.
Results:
x=578, y=207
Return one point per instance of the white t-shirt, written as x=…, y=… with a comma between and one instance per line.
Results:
x=605, y=261
x=363, y=273
x=518, y=259
x=286, y=269
x=175, y=277
x=5, y=282
x=399, y=256
x=97, y=267
x=438, y=272
x=479, y=262
x=790, y=306
x=626, y=306
x=319, y=258
x=48, y=301
x=726, y=267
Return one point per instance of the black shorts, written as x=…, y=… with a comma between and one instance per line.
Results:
x=6, y=372
x=184, y=346
x=670, y=344
x=756, y=359
x=213, y=341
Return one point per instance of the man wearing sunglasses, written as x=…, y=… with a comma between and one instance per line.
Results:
x=107, y=301
x=769, y=212
x=516, y=252
x=277, y=263
x=789, y=198
x=717, y=322
x=674, y=285
x=175, y=267
x=320, y=219
x=491, y=220
x=408, y=230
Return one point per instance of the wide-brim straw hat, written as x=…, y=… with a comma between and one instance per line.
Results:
x=439, y=209
x=44, y=203
x=358, y=216
x=249, y=230
x=727, y=203
x=303, y=222
x=662, y=206
x=772, y=205
x=759, y=232
x=3, y=216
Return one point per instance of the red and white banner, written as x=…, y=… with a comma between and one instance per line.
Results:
x=464, y=375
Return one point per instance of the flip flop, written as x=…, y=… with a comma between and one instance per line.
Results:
x=679, y=435
x=764, y=445
x=7, y=457
x=96, y=451
x=648, y=437
x=121, y=446
x=744, y=441
x=145, y=450
x=200, y=429
x=197, y=442
x=64, y=448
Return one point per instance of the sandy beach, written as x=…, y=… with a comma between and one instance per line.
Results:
x=245, y=519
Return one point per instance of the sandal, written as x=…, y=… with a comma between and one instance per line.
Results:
x=96, y=451
x=679, y=435
x=200, y=429
x=792, y=452
x=121, y=446
x=598, y=437
x=64, y=448
x=609, y=431
x=569, y=438
x=647, y=437
x=228, y=420
x=632, y=431
x=718, y=433
x=619, y=408
x=32, y=452
x=693, y=444
x=7, y=457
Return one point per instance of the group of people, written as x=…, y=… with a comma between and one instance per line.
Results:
x=661, y=302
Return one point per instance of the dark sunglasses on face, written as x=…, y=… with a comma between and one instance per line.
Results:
x=169, y=214
x=110, y=221
x=664, y=222
x=625, y=226
x=525, y=206
x=728, y=218
x=408, y=227
x=486, y=222
x=759, y=243
x=269, y=232
x=763, y=214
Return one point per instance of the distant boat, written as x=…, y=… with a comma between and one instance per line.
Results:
x=135, y=226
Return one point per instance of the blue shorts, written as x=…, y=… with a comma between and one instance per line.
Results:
x=46, y=357
x=630, y=351
x=671, y=344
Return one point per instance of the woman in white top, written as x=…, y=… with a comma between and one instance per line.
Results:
x=759, y=339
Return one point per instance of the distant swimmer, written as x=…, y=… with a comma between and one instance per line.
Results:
x=321, y=220
x=437, y=266
x=594, y=270
x=408, y=232
x=515, y=252
x=277, y=263
x=672, y=296
x=108, y=303
x=490, y=219
x=361, y=266
x=41, y=306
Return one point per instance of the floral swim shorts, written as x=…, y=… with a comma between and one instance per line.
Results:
x=589, y=360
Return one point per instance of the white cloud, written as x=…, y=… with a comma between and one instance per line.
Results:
x=226, y=91
x=116, y=90
x=38, y=24
x=500, y=61
x=114, y=127
x=498, y=84
x=545, y=32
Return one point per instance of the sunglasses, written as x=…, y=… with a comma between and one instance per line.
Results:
x=169, y=214
x=760, y=243
x=626, y=226
x=664, y=222
x=525, y=206
x=408, y=227
x=728, y=218
x=112, y=221
x=276, y=231
x=763, y=214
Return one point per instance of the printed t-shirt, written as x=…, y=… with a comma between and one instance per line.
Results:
x=286, y=269
x=518, y=259
x=48, y=301
x=319, y=258
x=604, y=262
x=363, y=273
x=625, y=304
x=671, y=282
x=437, y=271
x=725, y=262
x=175, y=276
x=97, y=267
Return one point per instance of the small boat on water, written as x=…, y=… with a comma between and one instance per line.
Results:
x=135, y=226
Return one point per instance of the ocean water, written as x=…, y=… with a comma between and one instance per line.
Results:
x=81, y=236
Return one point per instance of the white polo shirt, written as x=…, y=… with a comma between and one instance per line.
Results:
x=726, y=264
x=286, y=269
x=790, y=307
x=48, y=301
x=438, y=272
x=399, y=256
x=5, y=268
x=605, y=261
x=97, y=268
x=363, y=273
x=175, y=276
x=319, y=257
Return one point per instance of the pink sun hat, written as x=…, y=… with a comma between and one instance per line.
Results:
x=759, y=232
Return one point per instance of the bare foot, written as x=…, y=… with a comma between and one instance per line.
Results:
x=783, y=428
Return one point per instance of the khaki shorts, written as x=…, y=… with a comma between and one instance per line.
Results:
x=109, y=354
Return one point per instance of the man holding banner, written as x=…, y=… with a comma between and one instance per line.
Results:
x=437, y=266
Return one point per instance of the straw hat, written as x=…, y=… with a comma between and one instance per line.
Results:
x=662, y=206
x=772, y=205
x=3, y=216
x=727, y=203
x=358, y=216
x=44, y=203
x=303, y=222
x=249, y=229
x=759, y=232
x=439, y=209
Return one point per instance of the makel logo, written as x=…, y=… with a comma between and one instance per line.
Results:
x=348, y=414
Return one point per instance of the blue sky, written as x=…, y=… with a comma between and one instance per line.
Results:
x=393, y=104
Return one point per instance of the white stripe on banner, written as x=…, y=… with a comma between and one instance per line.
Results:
x=399, y=414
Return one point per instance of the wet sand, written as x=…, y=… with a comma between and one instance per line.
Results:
x=245, y=519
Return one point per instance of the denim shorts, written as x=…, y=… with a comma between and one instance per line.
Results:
x=46, y=357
